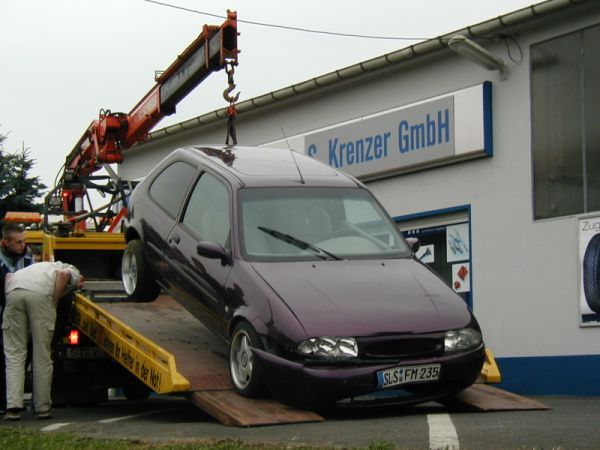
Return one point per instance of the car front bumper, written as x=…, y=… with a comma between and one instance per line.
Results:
x=302, y=384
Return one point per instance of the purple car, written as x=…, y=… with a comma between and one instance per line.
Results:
x=302, y=272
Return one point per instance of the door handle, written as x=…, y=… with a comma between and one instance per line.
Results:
x=174, y=239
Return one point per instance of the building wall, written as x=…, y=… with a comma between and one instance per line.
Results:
x=525, y=273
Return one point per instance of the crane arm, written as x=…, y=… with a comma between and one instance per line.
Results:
x=112, y=132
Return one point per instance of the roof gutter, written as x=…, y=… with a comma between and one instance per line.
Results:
x=372, y=65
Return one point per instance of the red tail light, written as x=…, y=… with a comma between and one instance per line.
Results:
x=74, y=337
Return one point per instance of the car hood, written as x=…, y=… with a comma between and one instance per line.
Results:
x=365, y=298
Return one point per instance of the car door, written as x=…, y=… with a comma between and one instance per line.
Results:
x=166, y=196
x=207, y=217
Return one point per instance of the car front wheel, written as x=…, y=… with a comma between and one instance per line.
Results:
x=136, y=276
x=245, y=370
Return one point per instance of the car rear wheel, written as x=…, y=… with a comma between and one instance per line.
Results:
x=135, y=274
x=136, y=391
x=245, y=370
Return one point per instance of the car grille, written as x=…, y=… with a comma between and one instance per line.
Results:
x=400, y=347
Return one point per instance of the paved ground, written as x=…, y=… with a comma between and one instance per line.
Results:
x=572, y=423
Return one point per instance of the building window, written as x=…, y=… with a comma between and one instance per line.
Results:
x=565, y=74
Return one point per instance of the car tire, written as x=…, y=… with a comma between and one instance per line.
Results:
x=245, y=370
x=136, y=276
x=136, y=391
x=591, y=274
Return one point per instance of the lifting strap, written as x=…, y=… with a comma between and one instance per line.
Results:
x=231, y=111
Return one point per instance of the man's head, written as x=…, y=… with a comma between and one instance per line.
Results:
x=36, y=252
x=13, y=239
x=77, y=279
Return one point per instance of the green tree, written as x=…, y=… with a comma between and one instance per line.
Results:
x=19, y=191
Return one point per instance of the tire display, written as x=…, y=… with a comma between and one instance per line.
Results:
x=591, y=274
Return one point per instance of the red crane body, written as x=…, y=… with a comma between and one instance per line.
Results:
x=105, y=138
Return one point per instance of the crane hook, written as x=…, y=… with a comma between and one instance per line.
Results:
x=229, y=68
x=229, y=98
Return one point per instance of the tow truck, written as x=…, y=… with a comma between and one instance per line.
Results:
x=105, y=342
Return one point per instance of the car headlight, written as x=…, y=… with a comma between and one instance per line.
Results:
x=329, y=347
x=462, y=339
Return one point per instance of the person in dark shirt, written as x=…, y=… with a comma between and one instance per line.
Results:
x=14, y=255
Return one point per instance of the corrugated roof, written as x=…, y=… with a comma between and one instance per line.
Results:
x=404, y=55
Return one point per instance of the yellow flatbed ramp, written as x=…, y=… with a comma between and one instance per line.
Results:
x=170, y=351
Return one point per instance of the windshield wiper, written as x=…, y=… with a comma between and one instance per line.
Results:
x=318, y=251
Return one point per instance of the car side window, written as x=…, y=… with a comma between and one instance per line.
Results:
x=207, y=213
x=168, y=189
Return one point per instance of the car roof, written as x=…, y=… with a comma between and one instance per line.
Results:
x=265, y=166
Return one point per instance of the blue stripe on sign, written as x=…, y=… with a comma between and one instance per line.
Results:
x=434, y=212
x=379, y=379
x=551, y=375
x=488, y=138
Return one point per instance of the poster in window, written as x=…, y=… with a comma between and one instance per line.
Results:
x=461, y=277
x=426, y=254
x=457, y=242
x=589, y=264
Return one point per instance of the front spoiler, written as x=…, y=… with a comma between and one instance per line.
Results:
x=298, y=383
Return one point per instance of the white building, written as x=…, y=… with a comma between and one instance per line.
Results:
x=497, y=171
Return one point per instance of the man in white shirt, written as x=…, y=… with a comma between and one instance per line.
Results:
x=32, y=294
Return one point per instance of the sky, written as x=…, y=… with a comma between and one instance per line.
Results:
x=61, y=61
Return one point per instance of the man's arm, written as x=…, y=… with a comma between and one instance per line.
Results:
x=60, y=285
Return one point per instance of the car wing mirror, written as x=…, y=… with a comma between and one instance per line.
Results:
x=213, y=250
x=414, y=243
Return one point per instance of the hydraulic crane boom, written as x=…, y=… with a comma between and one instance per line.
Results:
x=106, y=137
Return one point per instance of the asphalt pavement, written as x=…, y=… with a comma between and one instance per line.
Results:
x=571, y=423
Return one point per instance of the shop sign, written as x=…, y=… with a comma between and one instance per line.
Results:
x=453, y=127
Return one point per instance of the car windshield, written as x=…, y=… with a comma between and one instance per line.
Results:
x=290, y=224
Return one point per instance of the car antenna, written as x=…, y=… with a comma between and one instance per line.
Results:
x=293, y=157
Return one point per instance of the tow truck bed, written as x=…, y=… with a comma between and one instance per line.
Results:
x=201, y=359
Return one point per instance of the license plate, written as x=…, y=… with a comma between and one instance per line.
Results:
x=407, y=374
x=85, y=353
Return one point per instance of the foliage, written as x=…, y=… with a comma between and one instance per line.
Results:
x=19, y=191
